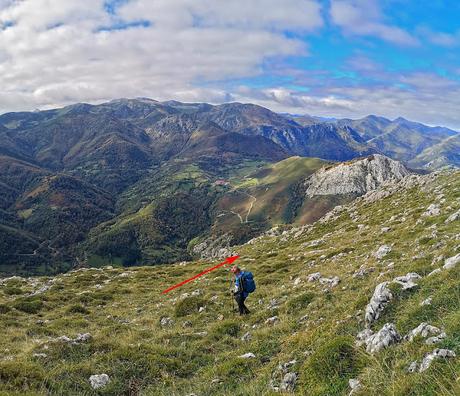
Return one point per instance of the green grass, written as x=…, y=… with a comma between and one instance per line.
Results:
x=199, y=352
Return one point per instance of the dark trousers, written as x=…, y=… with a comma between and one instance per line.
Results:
x=240, y=301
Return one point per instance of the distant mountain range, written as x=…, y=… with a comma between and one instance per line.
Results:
x=137, y=180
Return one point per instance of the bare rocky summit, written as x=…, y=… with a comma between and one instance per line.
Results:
x=357, y=177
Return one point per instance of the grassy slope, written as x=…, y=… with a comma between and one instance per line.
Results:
x=269, y=192
x=142, y=357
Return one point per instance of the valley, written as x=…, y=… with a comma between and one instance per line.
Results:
x=136, y=181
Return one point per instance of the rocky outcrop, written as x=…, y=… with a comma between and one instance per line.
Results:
x=451, y=262
x=407, y=282
x=453, y=217
x=357, y=177
x=385, y=337
x=283, y=379
x=436, y=354
x=214, y=247
x=272, y=321
x=424, y=330
x=380, y=299
x=382, y=295
x=432, y=210
x=288, y=383
x=80, y=338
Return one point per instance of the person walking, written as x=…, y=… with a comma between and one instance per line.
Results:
x=241, y=293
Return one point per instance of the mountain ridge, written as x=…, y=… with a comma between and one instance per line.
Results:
x=146, y=153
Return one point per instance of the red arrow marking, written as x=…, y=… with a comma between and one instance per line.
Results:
x=229, y=260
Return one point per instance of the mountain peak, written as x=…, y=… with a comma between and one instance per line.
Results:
x=355, y=177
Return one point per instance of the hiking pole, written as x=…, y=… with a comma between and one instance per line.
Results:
x=231, y=295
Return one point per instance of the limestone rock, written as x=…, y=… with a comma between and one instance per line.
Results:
x=434, y=272
x=331, y=282
x=248, y=355
x=436, y=354
x=423, y=330
x=83, y=337
x=166, y=321
x=386, y=336
x=272, y=321
x=363, y=271
x=435, y=339
x=355, y=385
x=80, y=338
x=427, y=301
x=363, y=336
x=451, y=262
x=380, y=299
x=432, y=210
x=382, y=251
x=314, y=277
x=99, y=380
x=453, y=217
x=246, y=336
x=288, y=383
x=356, y=177
x=412, y=367
x=407, y=281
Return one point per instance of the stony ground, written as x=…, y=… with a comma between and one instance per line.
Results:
x=365, y=301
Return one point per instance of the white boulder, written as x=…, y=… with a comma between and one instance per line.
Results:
x=99, y=380
x=382, y=251
x=248, y=355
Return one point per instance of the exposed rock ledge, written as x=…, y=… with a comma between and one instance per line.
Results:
x=357, y=177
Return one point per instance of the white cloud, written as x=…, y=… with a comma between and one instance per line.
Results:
x=363, y=18
x=442, y=39
x=55, y=52
x=424, y=97
x=259, y=14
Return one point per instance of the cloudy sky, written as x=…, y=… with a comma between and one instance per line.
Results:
x=341, y=58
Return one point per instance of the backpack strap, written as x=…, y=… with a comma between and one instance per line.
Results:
x=242, y=280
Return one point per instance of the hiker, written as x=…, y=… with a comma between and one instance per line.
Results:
x=244, y=284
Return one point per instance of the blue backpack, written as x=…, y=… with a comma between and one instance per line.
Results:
x=249, y=285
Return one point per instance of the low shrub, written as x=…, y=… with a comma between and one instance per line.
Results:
x=13, y=291
x=78, y=308
x=188, y=306
x=28, y=305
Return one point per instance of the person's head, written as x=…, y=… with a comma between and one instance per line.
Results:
x=235, y=270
